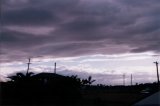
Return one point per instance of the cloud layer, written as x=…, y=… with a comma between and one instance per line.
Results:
x=66, y=28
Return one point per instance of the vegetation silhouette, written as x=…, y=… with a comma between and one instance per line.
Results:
x=42, y=88
x=53, y=89
x=87, y=81
x=19, y=77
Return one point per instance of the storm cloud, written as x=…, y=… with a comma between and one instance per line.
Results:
x=66, y=28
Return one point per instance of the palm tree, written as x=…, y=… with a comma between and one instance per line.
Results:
x=21, y=77
x=88, y=81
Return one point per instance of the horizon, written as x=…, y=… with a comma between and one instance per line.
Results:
x=110, y=72
x=103, y=39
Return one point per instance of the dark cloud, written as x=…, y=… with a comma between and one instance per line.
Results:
x=28, y=17
x=80, y=27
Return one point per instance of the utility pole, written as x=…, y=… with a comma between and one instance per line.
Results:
x=131, y=79
x=29, y=62
x=157, y=71
x=55, y=67
x=124, y=79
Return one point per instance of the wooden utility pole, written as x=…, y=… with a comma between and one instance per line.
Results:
x=131, y=79
x=157, y=71
x=55, y=67
x=124, y=79
x=29, y=62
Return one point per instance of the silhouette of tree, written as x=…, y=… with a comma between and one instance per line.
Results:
x=75, y=77
x=19, y=77
x=88, y=81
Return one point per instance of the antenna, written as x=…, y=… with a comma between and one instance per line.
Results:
x=55, y=67
x=29, y=62
x=157, y=71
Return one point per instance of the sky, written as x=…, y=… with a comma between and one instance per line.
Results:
x=101, y=38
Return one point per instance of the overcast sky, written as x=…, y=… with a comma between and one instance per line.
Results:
x=102, y=38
